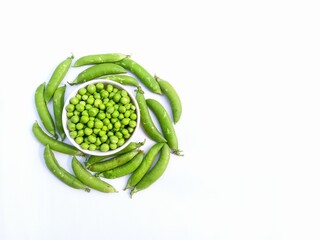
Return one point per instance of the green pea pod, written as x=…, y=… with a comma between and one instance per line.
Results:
x=174, y=99
x=144, y=76
x=43, y=111
x=146, y=120
x=165, y=124
x=99, y=58
x=57, y=77
x=88, y=179
x=156, y=172
x=54, y=144
x=61, y=173
x=131, y=146
x=145, y=165
x=113, y=162
x=98, y=71
x=122, y=79
x=123, y=170
x=58, y=102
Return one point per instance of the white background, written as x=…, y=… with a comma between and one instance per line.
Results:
x=248, y=76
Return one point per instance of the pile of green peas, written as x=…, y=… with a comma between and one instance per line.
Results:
x=101, y=117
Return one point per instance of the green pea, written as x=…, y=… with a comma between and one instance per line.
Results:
x=127, y=114
x=90, y=124
x=97, y=95
x=127, y=136
x=92, y=139
x=133, y=107
x=102, y=107
x=122, y=109
x=85, y=113
x=82, y=103
x=125, y=100
x=115, y=90
x=114, y=139
x=125, y=121
x=104, y=94
x=120, y=142
x=80, y=107
x=93, y=112
x=109, y=134
x=119, y=135
x=92, y=147
x=104, y=147
x=104, y=138
x=73, y=134
x=132, y=123
x=82, y=91
x=71, y=126
x=110, y=109
x=117, y=124
x=109, y=88
x=79, y=140
x=75, y=119
x=90, y=100
x=113, y=146
x=74, y=100
x=96, y=131
x=78, y=96
x=98, y=142
x=80, y=133
x=121, y=116
x=91, y=88
x=79, y=126
x=133, y=116
x=115, y=114
x=124, y=131
x=88, y=131
x=130, y=129
x=69, y=114
x=84, y=97
x=84, y=119
x=100, y=86
x=98, y=124
x=84, y=145
x=106, y=121
x=117, y=97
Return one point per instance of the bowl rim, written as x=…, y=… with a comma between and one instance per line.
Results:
x=64, y=117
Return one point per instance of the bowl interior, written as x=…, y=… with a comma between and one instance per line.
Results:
x=105, y=82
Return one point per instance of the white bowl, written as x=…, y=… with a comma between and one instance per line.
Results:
x=65, y=118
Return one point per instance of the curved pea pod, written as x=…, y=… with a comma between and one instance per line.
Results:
x=57, y=77
x=113, y=162
x=58, y=102
x=98, y=71
x=131, y=146
x=146, y=120
x=124, y=169
x=43, y=111
x=123, y=79
x=156, y=172
x=145, y=165
x=88, y=179
x=174, y=99
x=99, y=58
x=54, y=144
x=165, y=124
x=143, y=75
x=63, y=175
